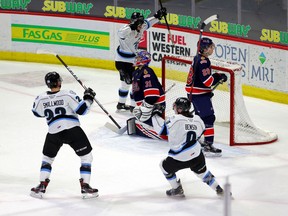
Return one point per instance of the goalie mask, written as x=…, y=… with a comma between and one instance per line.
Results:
x=205, y=43
x=52, y=79
x=183, y=104
x=137, y=17
x=142, y=58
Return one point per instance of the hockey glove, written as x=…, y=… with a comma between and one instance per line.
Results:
x=223, y=77
x=89, y=94
x=158, y=110
x=144, y=112
x=161, y=13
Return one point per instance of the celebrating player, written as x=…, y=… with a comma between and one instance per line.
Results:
x=199, y=82
x=129, y=38
x=61, y=109
x=185, y=150
x=149, y=97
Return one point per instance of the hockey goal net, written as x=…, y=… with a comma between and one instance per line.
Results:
x=228, y=101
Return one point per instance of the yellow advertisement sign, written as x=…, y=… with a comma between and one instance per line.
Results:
x=60, y=36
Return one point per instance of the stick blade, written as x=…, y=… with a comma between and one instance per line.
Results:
x=45, y=51
x=115, y=129
x=211, y=18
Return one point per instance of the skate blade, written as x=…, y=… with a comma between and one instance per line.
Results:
x=89, y=196
x=222, y=196
x=122, y=111
x=211, y=154
x=178, y=196
x=36, y=195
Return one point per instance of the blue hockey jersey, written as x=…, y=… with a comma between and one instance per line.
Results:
x=146, y=86
x=203, y=77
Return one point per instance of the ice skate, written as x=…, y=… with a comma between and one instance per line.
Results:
x=178, y=192
x=209, y=150
x=131, y=108
x=122, y=107
x=38, y=191
x=87, y=191
x=220, y=191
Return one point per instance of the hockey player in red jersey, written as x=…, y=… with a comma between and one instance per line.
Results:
x=199, y=82
x=61, y=109
x=185, y=151
x=129, y=38
x=149, y=97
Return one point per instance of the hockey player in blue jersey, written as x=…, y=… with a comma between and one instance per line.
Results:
x=130, y=36
x=61, y=109
x=199, y=82
x=149, y=97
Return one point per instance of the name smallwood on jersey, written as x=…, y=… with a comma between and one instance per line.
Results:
x=53, y=103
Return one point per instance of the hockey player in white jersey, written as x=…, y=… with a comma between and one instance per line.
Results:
x=129, y=38
x=61, y=109
x=185, y=151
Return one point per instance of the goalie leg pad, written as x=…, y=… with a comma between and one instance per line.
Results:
x=131, y=128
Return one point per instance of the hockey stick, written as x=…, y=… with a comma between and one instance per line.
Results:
x=217, y=84
x=170, y=88
x=41, y=51
x=204, y=23
x=167, y=25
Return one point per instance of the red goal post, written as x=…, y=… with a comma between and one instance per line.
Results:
x=228, y=101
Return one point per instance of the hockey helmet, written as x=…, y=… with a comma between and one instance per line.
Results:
x=182, y=103
x=142, y=58
x=52, y=79
x=204, y=44
x=137, y=17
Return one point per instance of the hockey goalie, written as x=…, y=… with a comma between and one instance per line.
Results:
x=149, y=98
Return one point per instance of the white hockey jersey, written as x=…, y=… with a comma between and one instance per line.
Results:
x=60, y=109
x=183, y=137
x=129, y=40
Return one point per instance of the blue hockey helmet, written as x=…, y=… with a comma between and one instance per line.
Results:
x=142, y=58
x=205, y=43
x=52, y=79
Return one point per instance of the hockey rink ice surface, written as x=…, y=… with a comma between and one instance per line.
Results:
x=126, y=169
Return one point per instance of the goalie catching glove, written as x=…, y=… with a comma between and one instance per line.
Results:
x=89, y=94
x=143, y=112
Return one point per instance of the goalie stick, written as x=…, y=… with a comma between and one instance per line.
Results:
x=118, y=129
x=204, y=23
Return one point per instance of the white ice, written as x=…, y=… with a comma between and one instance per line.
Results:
x=126, y=169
